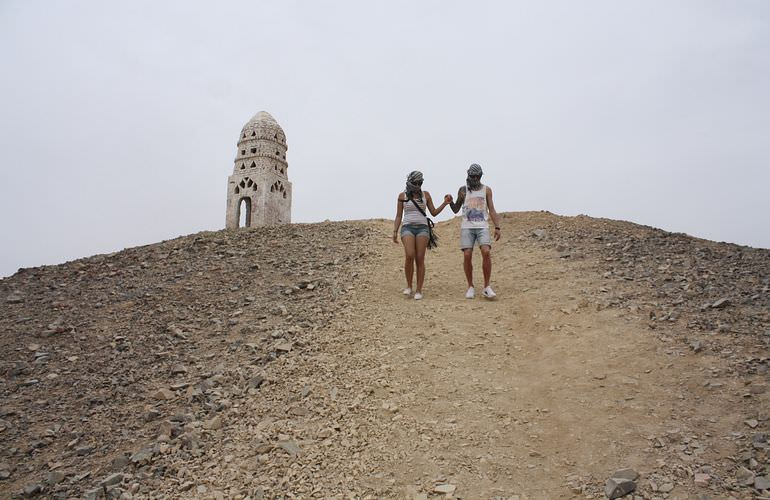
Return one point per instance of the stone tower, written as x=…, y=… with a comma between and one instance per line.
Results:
x=260, y=184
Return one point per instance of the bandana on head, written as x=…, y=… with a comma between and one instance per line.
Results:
x=414, y=184
x=474, y=184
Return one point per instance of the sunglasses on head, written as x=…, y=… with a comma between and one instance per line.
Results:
x=475, y=176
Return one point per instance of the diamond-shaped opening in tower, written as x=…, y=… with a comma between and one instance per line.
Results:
x=243, y=184
x=253, y=134
x=254, y=187
x=253, y=164
x=237, y=190
x=282, y=188
x=244, y=134
x=275, y=136
x=284, y=195
x=272, y=188
x=249, y=183
x=281, y=170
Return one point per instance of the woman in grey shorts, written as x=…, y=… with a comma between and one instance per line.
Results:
x=414, y=232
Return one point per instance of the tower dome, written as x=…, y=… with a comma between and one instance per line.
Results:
x=262, y=126
x=262, y=145
x=260, y=182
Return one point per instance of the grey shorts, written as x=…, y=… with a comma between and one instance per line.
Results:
x=415, y=230
x=469, y=237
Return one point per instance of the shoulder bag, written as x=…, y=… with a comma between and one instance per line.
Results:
x=432, y=236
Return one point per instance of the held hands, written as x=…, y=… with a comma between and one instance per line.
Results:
x=447, y=198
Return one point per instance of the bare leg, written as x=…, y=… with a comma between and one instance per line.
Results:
x=421, y=244
x=486, y=255
x=409, y=253
x=468, y=265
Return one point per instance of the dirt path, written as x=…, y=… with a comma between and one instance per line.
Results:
x=536, y=394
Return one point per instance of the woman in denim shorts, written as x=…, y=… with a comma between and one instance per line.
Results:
x=410, y=209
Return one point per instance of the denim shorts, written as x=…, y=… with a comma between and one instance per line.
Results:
x=471, y=236
x=415, y=230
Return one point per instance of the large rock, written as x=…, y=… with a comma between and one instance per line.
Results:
x=617, y=487
x=627, y=473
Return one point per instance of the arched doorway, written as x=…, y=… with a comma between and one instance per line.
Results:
x=244, y=212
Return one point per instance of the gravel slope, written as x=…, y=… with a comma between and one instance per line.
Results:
x=282, y=362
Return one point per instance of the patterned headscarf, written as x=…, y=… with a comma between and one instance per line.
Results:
x=474, y=184
x=414, y=185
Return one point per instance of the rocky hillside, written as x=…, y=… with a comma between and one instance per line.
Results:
x=700, y=285
x=99, y=354
x=282, y=362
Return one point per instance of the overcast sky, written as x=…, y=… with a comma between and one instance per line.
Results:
x=119, y=120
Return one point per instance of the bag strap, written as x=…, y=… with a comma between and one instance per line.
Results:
x=430, y=222
x=419, y=208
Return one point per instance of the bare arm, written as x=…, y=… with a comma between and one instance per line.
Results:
x=399, y=214
x=429, y=203
x=493, y=213
x=456, y=205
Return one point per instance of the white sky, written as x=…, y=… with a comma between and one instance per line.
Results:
x=119, y=120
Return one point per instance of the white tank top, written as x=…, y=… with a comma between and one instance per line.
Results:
x=475, y=208
x=412, y=215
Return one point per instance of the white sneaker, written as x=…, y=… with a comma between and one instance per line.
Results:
x=418, y=296
x=407, y=291
x=489, y=293
x=470, y=293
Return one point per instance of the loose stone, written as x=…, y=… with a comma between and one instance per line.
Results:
x=213, y=424
x=163, y=394
x=701, y=479
x=32, y=489
x=291, y=447
x=444, y=488
x=142, y=456
x=54, y=477
x=112, y=480
x=724, y=301
x=629, y=474
x=617, y=487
